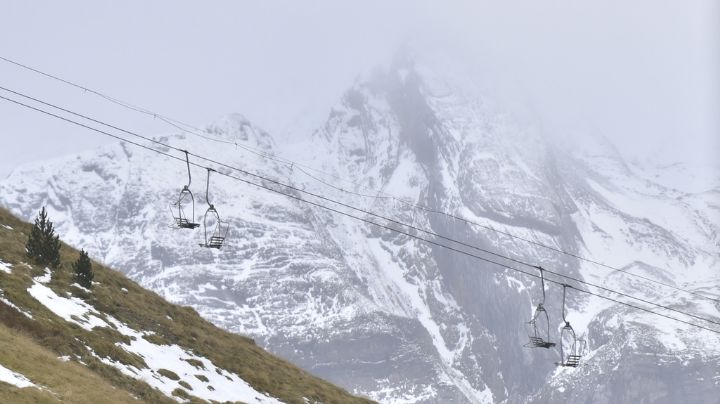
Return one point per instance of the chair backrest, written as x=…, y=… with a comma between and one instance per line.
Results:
x=215, y=229
x=569, y=355
x=177, y=209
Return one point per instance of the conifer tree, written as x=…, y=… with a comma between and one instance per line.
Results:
x=83, y=270
x=43, y=246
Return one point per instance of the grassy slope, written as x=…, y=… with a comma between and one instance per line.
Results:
x=47, y=334
x=61, y=381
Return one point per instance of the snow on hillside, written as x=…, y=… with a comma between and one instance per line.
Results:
x=14, y=378
x=206, y=380
x=5, y=267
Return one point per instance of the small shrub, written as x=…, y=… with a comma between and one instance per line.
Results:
x=169, y=374
x=156, y=339
x=196, y=363
x=82, y=270
x=181, y=393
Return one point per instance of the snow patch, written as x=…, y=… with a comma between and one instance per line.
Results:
x=5, y=267
x=14, y=378
x=84, y=289
x=72, y=309
x=45, y=277
x=387, y=392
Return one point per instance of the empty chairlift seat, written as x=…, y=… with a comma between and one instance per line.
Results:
x=570, y=346
x=539, y=325
x=215, y=229
x=185, y=202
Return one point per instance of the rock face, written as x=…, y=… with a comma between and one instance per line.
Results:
x=389, y=316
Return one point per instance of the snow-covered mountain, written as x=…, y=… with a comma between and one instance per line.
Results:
x=389, y=316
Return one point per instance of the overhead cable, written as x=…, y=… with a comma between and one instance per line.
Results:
x=406, y=233
x=192, y=130
x=370, y=213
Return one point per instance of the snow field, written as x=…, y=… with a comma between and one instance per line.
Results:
x=206, y=380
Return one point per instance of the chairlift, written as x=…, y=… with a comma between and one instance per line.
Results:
x=539, y=325
x=215, y=228
x=184, y=201
x=570, y=347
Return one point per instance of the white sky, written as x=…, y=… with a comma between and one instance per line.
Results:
x=644, y=73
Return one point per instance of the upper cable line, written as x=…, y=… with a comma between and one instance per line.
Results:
x=385, y=226
x=370, y=213
x=192, y=130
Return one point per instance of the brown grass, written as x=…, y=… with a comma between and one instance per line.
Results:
x=60, y=381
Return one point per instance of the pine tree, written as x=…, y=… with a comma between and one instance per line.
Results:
x=43, y=245
x=83, y=270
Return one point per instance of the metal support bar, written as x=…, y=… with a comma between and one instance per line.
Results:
x=187, y=160
x=207, y=188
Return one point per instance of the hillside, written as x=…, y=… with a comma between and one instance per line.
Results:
x=121, y=343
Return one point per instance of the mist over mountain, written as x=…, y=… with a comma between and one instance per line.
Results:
x=389, y=316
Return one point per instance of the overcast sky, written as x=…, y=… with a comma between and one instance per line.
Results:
x=644, y=73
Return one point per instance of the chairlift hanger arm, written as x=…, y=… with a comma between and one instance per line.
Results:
x=207, y=187
x=542, y=282
x=564, y=286
x=187, y=161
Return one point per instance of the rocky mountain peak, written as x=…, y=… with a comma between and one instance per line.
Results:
x=236, y=128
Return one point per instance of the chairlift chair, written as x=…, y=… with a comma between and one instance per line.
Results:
x=570, y=347
x=539, y=325
x=218, y=228
x=186, y=200
x=215, y=228
x=539, y=329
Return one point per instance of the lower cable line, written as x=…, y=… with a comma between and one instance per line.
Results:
x=364, y=211
x=381, y=225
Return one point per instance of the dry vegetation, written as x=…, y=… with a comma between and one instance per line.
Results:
x=39, y=341
x=60, y=381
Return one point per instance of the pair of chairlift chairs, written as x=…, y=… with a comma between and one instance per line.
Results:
x=215, y=229
x=571, y=348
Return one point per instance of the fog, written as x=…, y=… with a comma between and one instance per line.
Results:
x=645, y=74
